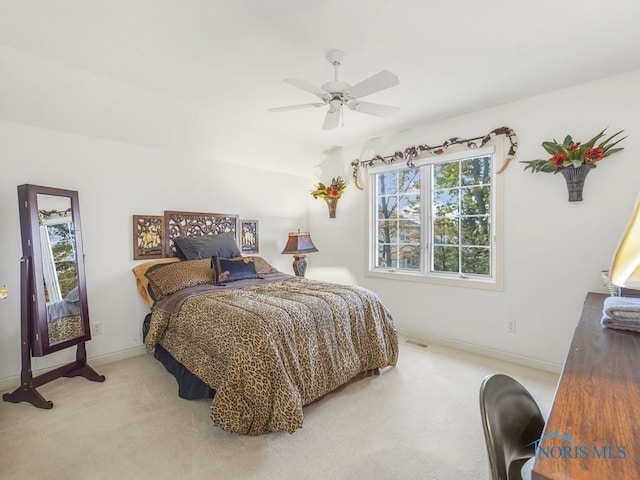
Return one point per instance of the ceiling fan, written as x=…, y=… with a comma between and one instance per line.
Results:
x=337, y=94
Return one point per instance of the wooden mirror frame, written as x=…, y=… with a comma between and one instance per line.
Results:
x=30, y=222
x=35, y=339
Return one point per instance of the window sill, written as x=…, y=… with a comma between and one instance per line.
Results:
x=437, y=280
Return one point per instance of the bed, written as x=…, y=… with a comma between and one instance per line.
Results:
x=263, y=343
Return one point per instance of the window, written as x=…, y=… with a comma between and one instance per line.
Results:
x=438, y=221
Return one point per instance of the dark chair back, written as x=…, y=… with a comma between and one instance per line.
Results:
x=512, y=421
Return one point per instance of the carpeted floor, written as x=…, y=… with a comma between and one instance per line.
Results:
x=418, y=420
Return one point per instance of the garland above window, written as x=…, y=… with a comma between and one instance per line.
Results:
x=410, y=154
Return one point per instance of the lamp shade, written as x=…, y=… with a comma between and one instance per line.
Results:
x=625, y=268
x=299, y=243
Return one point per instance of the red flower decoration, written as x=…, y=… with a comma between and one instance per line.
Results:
x=568, y=153
x=333, y=190
x=594, y=154
x=558, y=160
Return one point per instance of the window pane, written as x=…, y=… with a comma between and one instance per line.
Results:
x=475, y=200
x=387, y=231
x=398, y=211
x=445, y=259
x=387, y=183
x=475, y=171
x=445, y=231
x=476, y=261
x=445, y=175
x=475, y=231
x=409, y=181
x=387, y=207
x=445, y=202
x=409, y=231
x=409, y=257
x=409, y=207
x=387, y=256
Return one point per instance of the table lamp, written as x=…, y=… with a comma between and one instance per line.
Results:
x=299, y=244
x=622, y=312
x=625, y=268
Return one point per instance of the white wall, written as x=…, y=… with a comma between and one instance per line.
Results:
x=554, y=250
x=115, y=181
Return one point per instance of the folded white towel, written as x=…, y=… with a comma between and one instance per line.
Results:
x=621, y=313
x=622, y=307
x=609, y=322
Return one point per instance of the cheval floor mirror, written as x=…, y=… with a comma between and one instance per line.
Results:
x=54, y=312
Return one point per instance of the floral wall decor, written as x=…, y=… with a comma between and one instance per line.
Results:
x=574, y=160
x=330, y=193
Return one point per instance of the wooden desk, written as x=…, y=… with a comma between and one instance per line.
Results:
x=597, y=402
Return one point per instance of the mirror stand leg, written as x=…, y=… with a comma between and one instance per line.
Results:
x=82, y=369
x=87, y=372
x=28, y=394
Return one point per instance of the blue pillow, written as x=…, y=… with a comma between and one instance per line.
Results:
x=233, y=269
x=206, y=246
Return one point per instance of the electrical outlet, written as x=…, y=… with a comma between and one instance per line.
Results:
x=511, y=326
x=97, y=328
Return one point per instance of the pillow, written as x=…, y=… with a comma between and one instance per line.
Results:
x=233, y=269
x=262, y=266
x=141, y=281
x=166, y=279
x=206, y=246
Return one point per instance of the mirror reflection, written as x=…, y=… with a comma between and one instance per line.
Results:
x=59, y=268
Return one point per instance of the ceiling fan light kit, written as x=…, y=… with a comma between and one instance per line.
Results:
x=338, y=94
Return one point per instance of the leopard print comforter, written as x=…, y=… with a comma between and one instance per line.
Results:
x=269, y=350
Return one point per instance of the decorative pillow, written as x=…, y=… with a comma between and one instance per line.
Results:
x=141, y=281
x=206, y=246
x=166, y=279
x=233, y=269
x=262, y=266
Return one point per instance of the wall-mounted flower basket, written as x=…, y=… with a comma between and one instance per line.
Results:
x=574, y=177
x=332, y=203
x=330, y=193
x=575, y=160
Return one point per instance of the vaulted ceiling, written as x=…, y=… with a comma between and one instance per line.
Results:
x=198, y=76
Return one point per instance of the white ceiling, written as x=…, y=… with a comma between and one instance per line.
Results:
x=199, y=75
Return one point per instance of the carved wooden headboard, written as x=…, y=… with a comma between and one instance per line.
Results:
x=190, y=224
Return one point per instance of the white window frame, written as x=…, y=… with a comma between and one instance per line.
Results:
x=492, y=282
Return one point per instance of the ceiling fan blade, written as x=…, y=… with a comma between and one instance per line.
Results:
x=296, y=107
x=331, y=119
x=377, y=82
x=373, y=108
x=304, y=85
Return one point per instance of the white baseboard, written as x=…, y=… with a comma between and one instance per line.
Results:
x=13, y=382
x=480, y=350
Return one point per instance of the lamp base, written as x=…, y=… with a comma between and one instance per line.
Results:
x=299, y=265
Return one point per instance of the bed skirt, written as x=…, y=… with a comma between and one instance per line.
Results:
x=190, y=387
